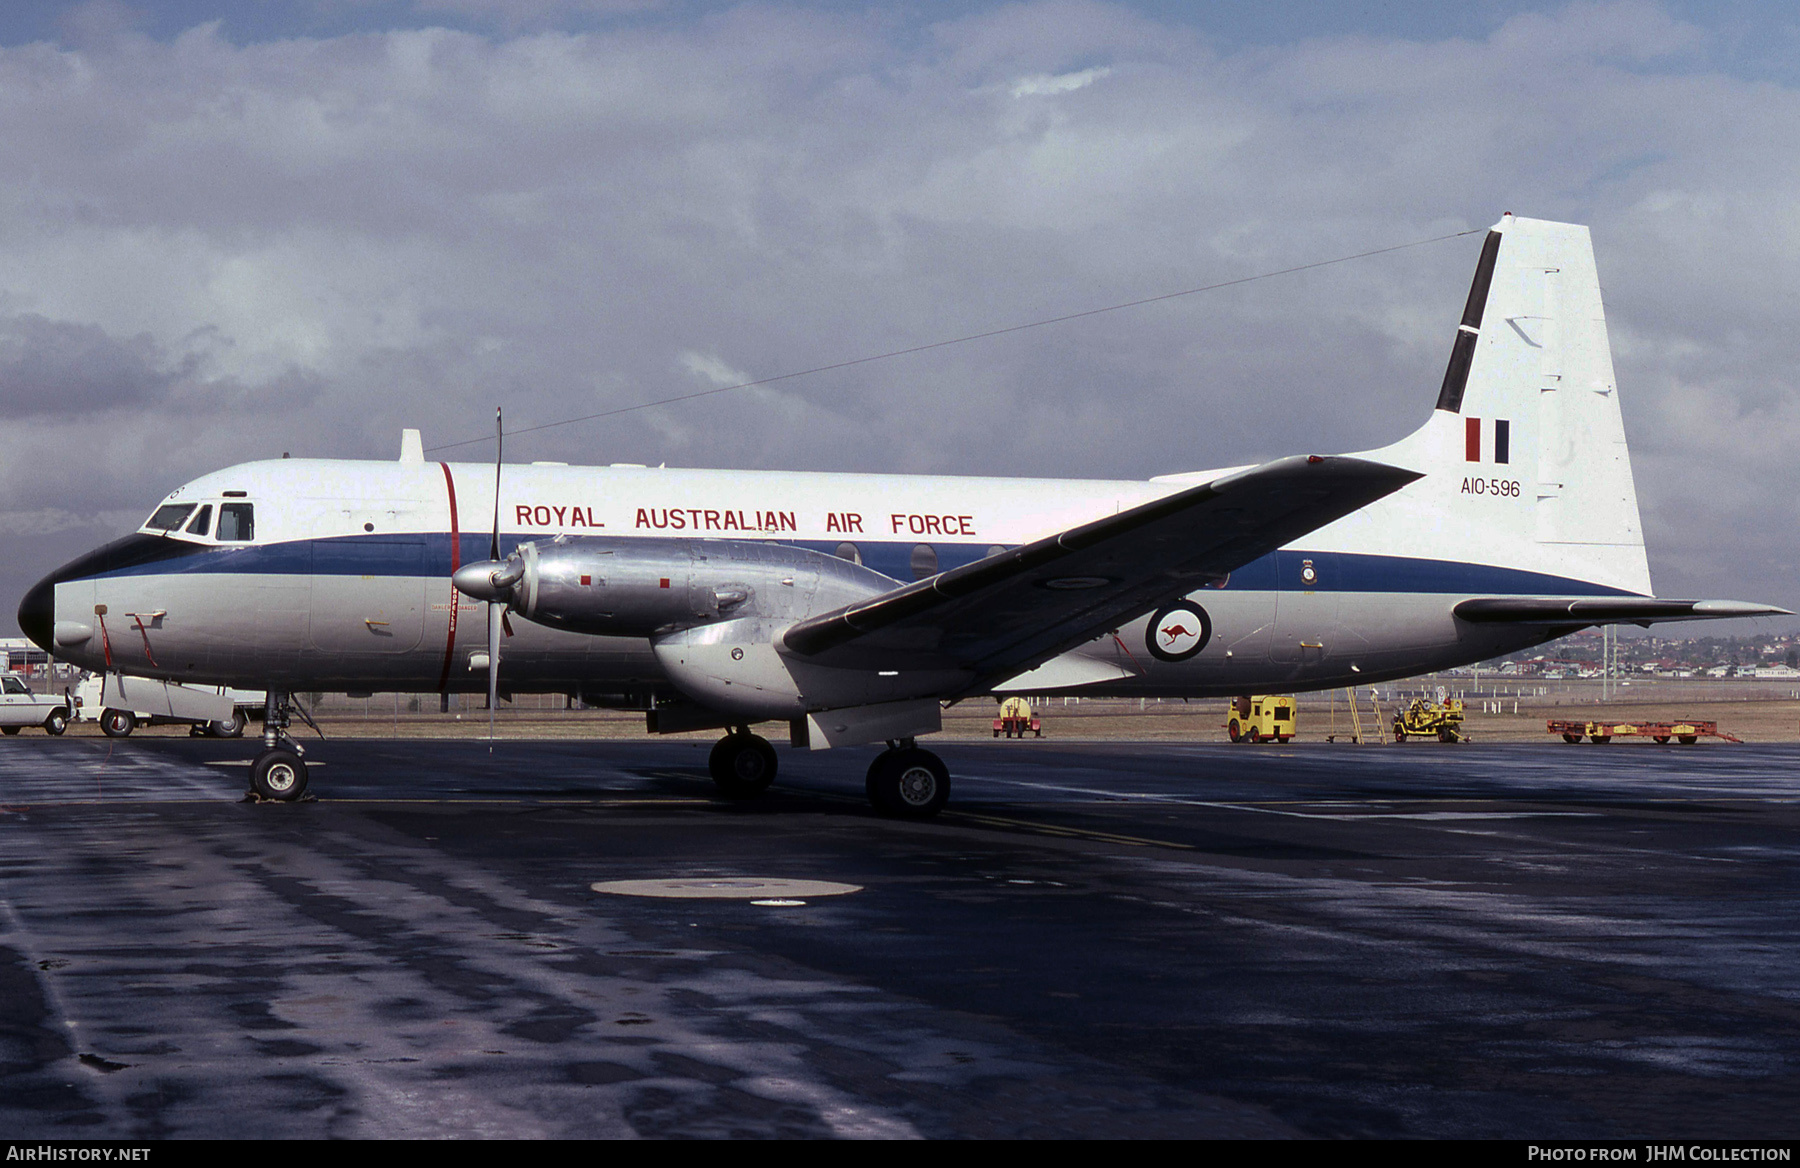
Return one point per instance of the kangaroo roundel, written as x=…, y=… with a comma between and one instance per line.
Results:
x=1178, y=631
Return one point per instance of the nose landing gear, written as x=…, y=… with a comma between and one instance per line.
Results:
x=279, y=772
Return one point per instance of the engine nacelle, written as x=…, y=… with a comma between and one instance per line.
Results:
x=651, y=587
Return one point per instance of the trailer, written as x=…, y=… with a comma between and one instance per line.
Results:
x=1016, y=720
x=1686, y=733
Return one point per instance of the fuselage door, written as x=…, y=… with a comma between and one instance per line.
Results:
x=368, y=593
x=1306, y=629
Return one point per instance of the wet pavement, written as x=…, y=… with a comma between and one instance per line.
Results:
x=1098, y=940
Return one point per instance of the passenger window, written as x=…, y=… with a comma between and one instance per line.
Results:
x=924, y=561
x=201, y=522
x=168, y=517
x=848, y=551
x=236, y=522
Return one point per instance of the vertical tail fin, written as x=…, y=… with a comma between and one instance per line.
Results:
x=1525, y=454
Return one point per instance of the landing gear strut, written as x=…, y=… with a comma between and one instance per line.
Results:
x=742, y=764
x=908, y=782
x=279, y=772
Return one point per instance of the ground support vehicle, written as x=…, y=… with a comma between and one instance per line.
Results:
x=19, y=707
x=1016, y=720
x=1686, y=733
x=1440, y=720
x=118, y=721
x=1261, y=718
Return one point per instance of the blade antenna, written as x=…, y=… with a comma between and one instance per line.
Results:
x=493, y=621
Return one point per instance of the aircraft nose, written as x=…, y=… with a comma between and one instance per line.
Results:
x=37, y=612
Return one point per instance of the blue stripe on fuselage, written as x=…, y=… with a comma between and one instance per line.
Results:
x=428, y=554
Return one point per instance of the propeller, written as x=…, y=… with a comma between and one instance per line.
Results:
x=495, y=617
x=492, y=581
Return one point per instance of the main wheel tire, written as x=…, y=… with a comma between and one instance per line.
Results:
x=742, y=765
x=56, y=723
x=1233, y=731
x=232, y=727
x=279, y=775
x=908, y=783
x=117, y=723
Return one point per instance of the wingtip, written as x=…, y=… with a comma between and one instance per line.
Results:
x=1736, y=608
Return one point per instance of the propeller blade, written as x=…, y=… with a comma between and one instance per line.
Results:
x=499, y=438
x=496, y=613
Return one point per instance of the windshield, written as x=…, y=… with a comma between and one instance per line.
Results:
x=168, y=517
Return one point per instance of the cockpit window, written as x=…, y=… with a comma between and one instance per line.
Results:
x=201, y=521
x=237, y=522
x=168, y=517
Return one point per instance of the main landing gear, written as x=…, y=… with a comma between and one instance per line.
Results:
x=904, y=781
x=908, y=782
x=742, y=764
x=279, y=772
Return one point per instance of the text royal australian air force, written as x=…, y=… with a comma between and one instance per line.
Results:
x=621, y=501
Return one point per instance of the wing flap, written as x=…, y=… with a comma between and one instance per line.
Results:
x=1013, y=610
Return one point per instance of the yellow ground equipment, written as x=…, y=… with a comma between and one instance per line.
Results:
x=1264, y=718
x=1015, y=719
x=1423, y=719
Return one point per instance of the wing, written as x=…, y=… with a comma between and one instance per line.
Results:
x=1640, y=610
x=1013, y=610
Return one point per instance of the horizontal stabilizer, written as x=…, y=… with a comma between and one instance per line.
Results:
x=1015, y=609
x=1643, y=610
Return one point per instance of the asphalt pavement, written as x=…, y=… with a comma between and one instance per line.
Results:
x=1100, y=940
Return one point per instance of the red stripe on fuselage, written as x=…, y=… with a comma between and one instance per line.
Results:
x=455, y=563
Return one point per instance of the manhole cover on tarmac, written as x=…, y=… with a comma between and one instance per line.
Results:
x=725, y=888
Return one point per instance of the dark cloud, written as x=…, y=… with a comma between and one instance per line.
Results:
x=61, y=367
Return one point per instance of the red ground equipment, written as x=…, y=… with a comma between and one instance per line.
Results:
x=1015, y=720
x=1686, y=733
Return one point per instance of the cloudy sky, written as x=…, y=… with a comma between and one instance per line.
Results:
x=230, y=231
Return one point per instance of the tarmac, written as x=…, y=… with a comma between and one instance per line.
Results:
x=1108, y=939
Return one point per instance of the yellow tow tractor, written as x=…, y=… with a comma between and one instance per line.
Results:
x=1441, y=720
x=1261, y=718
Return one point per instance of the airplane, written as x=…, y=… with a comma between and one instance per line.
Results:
x=855, y=607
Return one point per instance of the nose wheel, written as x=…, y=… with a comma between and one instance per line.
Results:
x=908, y=783
x=279, y=775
